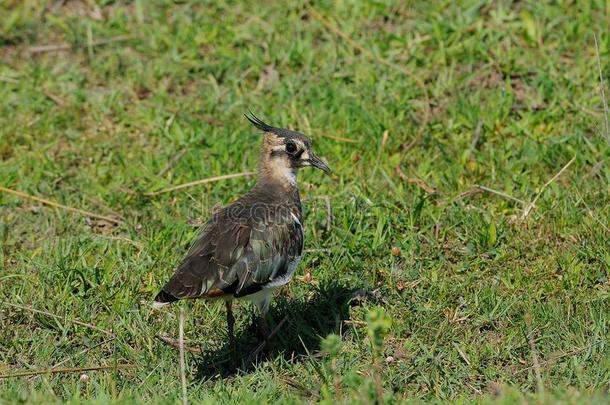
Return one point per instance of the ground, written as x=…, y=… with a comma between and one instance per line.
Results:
x=469, y=199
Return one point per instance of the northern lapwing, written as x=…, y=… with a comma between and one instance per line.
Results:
x=251, y=247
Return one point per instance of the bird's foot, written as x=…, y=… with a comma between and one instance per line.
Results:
x=231, y=325
x=263, y=329
x=265, y=337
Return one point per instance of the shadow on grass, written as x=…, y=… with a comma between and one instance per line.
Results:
x=308, y=322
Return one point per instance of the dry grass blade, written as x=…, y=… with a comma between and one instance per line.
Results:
x=69, y=370
x=7, y=79
x=182, y=362
x=172, y=162
x=384, y=140
x=590, y=212
x=54, y=97
x=592, y=215
x=85, y=350
x=98, y=202
x=461, y=353
x=135, y=244
x=500, y=193
x=57, y=205
x=597, y=167
x=300, y=387
x=74, y=321
x=602, y=90
x=476, y=136
x=534, y=353
x=562, y=356
x=422, y=184
x=471, y=191
x=175, y=343
x=329, y=213
x=339, y=138
x=50, y=48
x=65, y=46
x=530, y=206
x=198, y=182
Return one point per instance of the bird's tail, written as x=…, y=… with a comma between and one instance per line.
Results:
x=162, y=299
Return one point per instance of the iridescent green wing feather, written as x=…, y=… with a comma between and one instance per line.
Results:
x=231, y=256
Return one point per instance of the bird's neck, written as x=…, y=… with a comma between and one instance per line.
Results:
x=272, y=171
x=278, y=186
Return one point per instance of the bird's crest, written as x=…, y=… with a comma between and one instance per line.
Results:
x=258, y=123
x=282, y=132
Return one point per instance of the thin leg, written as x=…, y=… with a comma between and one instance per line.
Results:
x=230, y=320
x=265, y=342
x=263, y=328
x=263, y=308
x=262, y=305
x=263, y=336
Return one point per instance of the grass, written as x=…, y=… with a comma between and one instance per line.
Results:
x=468, y=93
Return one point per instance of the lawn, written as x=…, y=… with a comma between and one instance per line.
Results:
x=458, y=253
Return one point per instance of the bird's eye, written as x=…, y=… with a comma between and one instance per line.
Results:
x=291, y=147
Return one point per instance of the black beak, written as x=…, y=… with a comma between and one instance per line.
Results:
x=316, y=162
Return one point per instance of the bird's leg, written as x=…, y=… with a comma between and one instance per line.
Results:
x=230, y=321
x=263, y=336
x=263, y=328
x=262, y=307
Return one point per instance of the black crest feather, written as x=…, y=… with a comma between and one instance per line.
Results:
x=258, y=123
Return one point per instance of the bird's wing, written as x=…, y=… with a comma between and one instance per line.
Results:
x=205, y=269
x=235, y=257
x=268, y=257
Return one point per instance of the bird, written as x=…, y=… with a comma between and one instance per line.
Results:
x=251, y=247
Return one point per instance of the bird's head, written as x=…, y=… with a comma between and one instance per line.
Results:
x=285, y=151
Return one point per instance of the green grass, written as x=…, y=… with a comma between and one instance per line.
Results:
x=92, y=128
